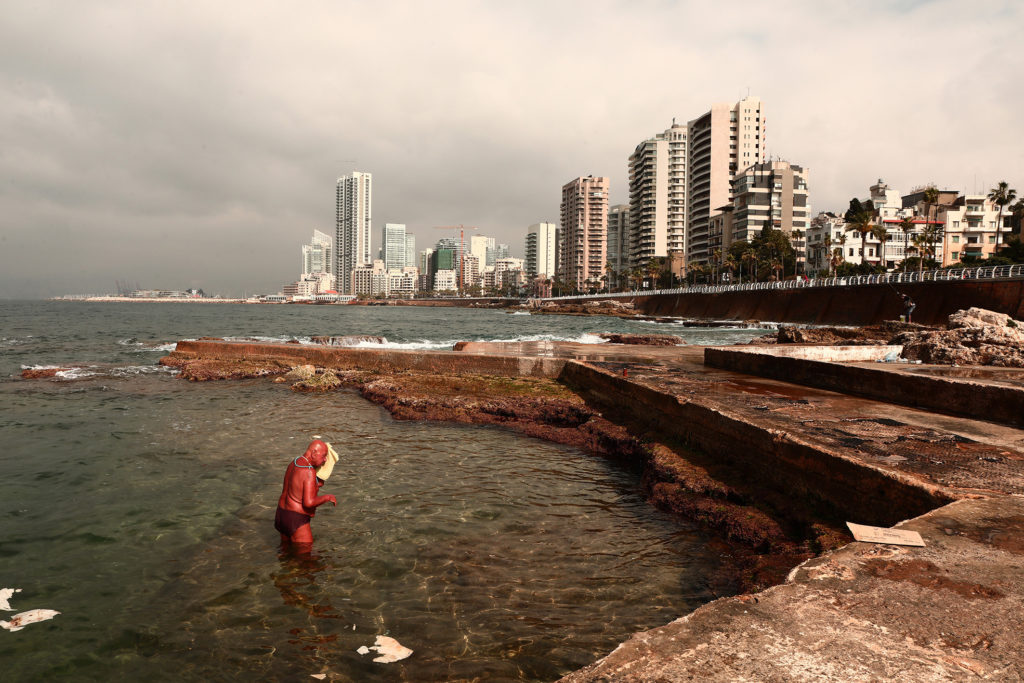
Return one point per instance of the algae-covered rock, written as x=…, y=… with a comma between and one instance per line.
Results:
x=301, y=372
x=325, y=381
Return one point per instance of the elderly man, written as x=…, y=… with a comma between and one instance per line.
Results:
x=299, y=499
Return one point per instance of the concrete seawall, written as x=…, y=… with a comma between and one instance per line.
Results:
x=839, y=487
x=855, y=305
x=983, y=401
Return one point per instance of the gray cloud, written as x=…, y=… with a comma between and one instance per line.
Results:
x=181, y=144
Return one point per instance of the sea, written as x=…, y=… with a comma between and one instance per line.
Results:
x=140, y=506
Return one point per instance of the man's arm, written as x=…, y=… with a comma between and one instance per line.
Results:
x=309, y=497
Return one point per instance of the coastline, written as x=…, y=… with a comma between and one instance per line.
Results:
x=770, y=467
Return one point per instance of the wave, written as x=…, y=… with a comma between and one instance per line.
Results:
x=15, y=341
x=447, y=345
x=709, y=324
x=148, y=347
x=269, y=340
x=73, y=372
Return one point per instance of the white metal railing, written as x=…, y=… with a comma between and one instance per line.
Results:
x=981, y=273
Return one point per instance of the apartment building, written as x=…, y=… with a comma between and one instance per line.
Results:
x=618, y=243
x=541, y=249
x=316, y=256
x=584, y=229
x=722, y=142
x=393, y=246
x=657, y=196
x=827, y=232
x=370, y=280
x=353, y=200
x=973, y=226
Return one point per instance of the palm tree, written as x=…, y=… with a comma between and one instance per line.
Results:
x=925, y=243
x=750, y=256
x=730, y=264
x=907, y=226
x=825, y=250
x=882, y=235
x=861, y=223
x=1017, y=210
x=931, y=199
x=716, y=261
x=653, y=270
x=798, y=235
x=835, y=259
x=1001, y=195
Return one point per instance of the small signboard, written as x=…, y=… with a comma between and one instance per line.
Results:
x=877, y=534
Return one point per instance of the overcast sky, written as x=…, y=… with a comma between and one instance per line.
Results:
x=179, y=144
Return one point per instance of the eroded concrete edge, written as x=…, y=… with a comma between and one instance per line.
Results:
x=950, y=611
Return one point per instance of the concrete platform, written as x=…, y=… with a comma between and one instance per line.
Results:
x=951, y=611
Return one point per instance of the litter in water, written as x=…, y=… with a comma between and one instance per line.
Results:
x=20, y=621
x=390, y=650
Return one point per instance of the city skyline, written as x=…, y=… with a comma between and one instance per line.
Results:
x=146, y=143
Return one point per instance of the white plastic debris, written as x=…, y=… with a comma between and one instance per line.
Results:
x=319, y=676
x=20, y=621
x=5, y=596
x=389, y=649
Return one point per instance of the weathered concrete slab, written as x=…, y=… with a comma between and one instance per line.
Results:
x=837, y=369
x=951, y=611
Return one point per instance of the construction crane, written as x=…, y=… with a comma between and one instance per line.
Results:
x=462, y=245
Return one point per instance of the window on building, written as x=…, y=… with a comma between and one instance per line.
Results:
x=955, y=255
x=991, y=239
x=956, y=239
x=956, y=224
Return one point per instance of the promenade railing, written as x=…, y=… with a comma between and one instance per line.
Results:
x=892, y=279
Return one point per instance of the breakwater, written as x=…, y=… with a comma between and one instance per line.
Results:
x=849, y=305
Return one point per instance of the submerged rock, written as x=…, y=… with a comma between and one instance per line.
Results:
x=325, y=381
x=644, y=339
x=41, y=373
x=206, y=369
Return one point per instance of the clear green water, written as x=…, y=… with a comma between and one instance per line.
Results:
x=141, y=507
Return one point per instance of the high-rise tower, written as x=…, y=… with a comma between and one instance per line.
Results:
x=657, y=196
x=393, y=246
x=540, y=249
x=352, y=227
x=584, y=227
x=722, y=142
x=316, y=256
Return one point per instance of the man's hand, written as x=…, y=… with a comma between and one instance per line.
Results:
x=331, y=499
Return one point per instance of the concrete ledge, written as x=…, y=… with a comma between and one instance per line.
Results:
x=841, y=486
x=822, y=367
x=385, y=360
x=951, y=611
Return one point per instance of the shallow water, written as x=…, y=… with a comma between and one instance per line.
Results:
x=141, y=506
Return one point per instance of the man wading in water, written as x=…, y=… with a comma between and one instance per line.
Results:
x=299, y=501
